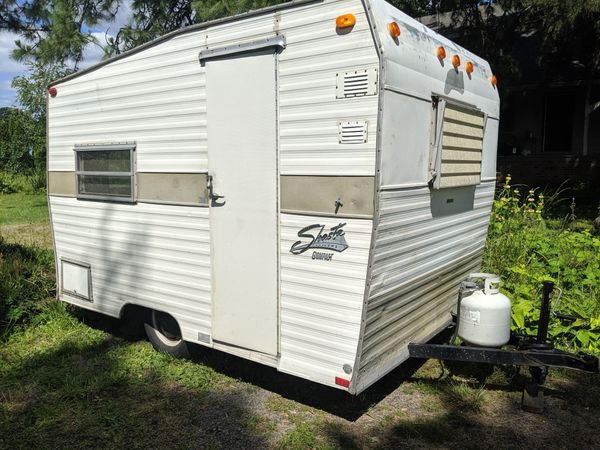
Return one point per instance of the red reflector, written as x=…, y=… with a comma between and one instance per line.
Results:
x=52, y=91
x=342, y=382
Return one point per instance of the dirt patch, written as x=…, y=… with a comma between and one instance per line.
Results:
x=426, y=412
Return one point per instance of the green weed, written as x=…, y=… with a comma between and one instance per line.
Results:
x=26, y=284
x=33, y=183
x=303, y=437
x=525, y=249
x=464, y=396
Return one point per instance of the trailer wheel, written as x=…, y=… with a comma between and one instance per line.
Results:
x=164, y=334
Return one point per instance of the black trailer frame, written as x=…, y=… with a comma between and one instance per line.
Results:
x=536, y=352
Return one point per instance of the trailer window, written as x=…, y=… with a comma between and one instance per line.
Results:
x=457, y=145
x=105, y=172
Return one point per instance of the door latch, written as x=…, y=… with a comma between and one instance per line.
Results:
x=211, y=194
x=338, y=203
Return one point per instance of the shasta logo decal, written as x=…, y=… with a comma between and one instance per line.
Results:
x=314, y=236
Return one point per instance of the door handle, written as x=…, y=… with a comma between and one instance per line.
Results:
x=213, y=197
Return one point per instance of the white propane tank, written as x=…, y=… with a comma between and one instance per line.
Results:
x=485, y=313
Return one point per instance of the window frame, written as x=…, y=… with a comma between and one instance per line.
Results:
x=84, y=148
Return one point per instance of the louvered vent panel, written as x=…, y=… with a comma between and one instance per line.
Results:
x=354, y=132
x=462, y=145
x=356, y=83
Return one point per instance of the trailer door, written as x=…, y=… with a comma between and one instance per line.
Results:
x=242, y=160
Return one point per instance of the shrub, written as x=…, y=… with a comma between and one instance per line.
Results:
x=27, y=282
x=525, y=249
x=32, y=183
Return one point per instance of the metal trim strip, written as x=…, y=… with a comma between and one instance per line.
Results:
x=56, y=265
x=320, y=214
x=355, y=380
x=319, y=195
x=105, y=147
x=277, y=42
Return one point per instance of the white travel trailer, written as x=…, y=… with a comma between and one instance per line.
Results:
x=305, y=185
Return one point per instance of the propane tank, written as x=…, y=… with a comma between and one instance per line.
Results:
x=484, y=313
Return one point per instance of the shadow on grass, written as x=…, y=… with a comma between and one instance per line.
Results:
x=110, y=394
x=458, y=414
x=330, y=400
x=105, y=390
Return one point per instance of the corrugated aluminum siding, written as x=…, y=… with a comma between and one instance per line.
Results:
x=321, y=301
x=156, y=256
x=418, y=263
x=309, y=110
x=157, y=97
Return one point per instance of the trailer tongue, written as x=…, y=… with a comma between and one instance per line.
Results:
x=536, y=352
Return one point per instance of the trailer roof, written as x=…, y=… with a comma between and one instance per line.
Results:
x=188, y=29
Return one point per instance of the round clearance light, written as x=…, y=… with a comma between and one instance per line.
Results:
x=456, y=61
x=494, y=80
x=394, y=30
x=469, y=68
x=52, y=91
x=441, y=52
x=345, y=21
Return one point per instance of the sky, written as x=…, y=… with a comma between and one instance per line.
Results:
x=93, y=53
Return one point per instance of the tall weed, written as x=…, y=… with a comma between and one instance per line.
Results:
x=27, y=282
x=31, y=183
x=525, y=251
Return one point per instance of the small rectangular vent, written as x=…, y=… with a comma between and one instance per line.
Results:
x=356, y=83
x=353, y=132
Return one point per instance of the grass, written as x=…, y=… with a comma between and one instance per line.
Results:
x=24, y=220
x=65, y=382
x=70, y=379
x=22, y=208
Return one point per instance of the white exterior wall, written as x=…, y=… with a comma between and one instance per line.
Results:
x=157, y=97
x=418, y=263
x=151, y=255
x=426, y=241
x=157, y=255
x=321, y=301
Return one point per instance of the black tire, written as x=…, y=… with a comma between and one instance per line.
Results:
x=164, y=334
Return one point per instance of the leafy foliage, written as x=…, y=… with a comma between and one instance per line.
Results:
x=543, y=39
x=11, y=183
x=26, y=284
x=31, y=95
x=55, y=31
x=525, y=250
x=17, y=140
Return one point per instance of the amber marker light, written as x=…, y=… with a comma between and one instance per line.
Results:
x=345, y=21
x=456, y=61
x=52, y=91
x=494, y=80
x=469, y=68
x=441, y=52
x=394, y=30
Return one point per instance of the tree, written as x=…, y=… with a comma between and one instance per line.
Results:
x=55, y=31
x=15, y=140
x=31, y=95
x=152, y=19
x=551, y=39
